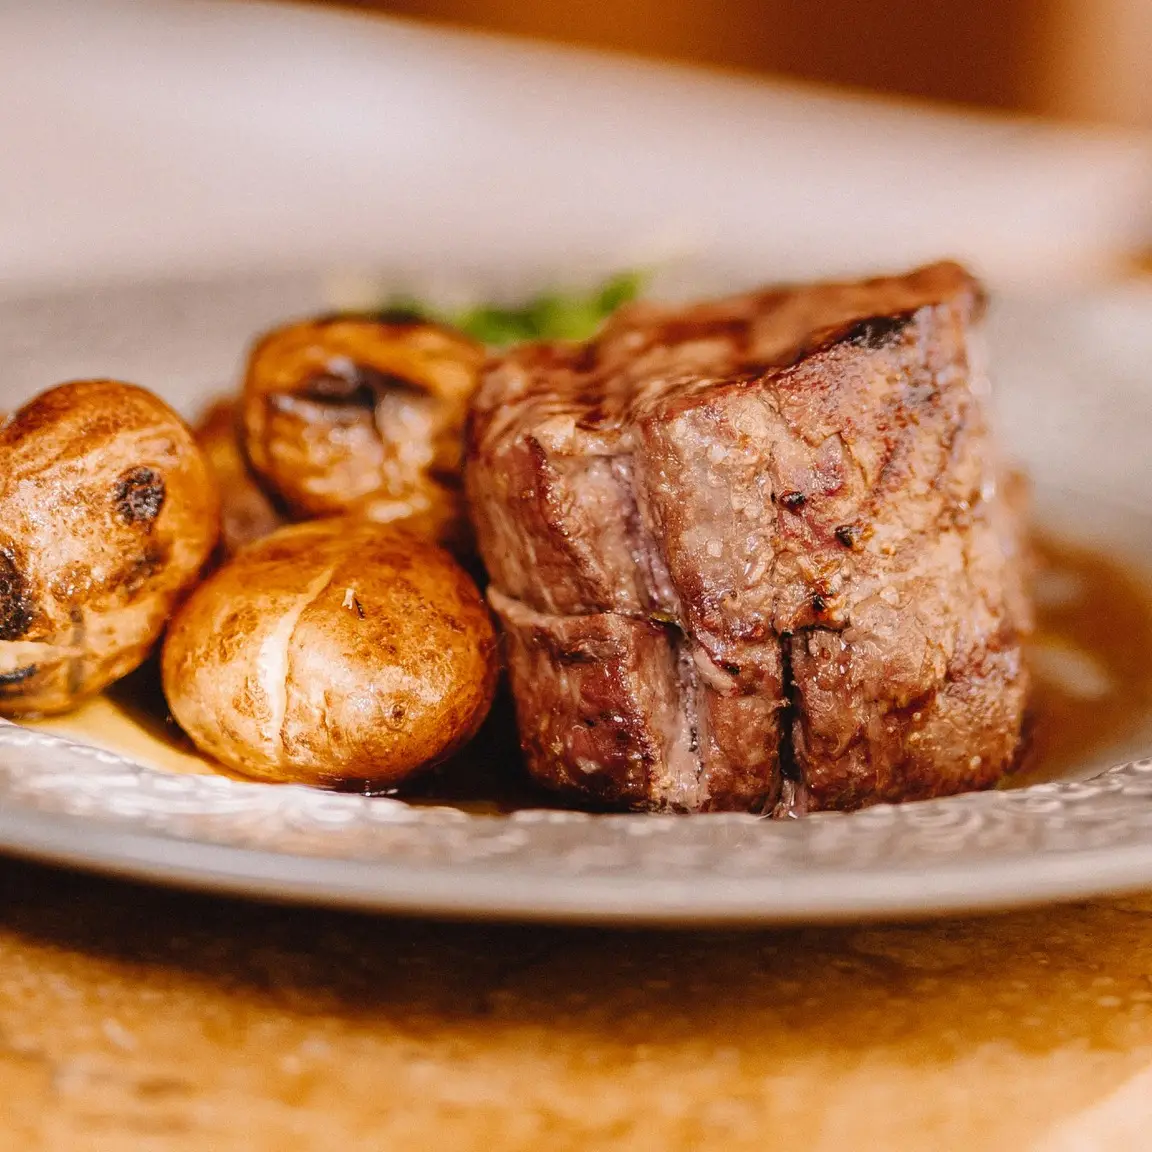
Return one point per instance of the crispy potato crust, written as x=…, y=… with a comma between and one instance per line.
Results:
x=108, y=512
x=332, y=653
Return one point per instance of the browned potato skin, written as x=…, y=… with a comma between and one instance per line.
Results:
x=108, y=512
x=246, y=513
x=335, y=652
x=353, y=414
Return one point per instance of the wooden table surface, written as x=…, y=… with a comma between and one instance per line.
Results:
x=134, y=1018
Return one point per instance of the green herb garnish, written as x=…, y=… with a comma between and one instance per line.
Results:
x=549, y=316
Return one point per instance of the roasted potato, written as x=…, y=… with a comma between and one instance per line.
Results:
x=107, y=515
x=246, y=513
x=363, y=415
x=335, y=653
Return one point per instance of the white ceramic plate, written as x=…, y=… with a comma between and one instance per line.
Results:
x=1074, y=405
x=186, y=140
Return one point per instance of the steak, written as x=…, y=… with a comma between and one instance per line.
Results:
x=756, y=554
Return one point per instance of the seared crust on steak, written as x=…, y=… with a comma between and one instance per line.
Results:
x=773, y=525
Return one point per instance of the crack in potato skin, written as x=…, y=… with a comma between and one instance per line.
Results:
x=334, y=653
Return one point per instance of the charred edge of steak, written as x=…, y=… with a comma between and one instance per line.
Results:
x=17, y=610
x=871, y=334
x=848, y=535
x=877, y=332
x=139, y=495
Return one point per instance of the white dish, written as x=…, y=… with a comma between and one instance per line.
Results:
x=1074, y=407
x=156, y=138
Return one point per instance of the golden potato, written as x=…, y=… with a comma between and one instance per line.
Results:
x=246, y=513
x=107, y=515
x=336, y=652
x=363, y=415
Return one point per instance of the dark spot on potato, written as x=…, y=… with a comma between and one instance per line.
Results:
x=848, y=535
x=139, y=495
x=17, y=676
x=878, y=331
x=354, y=386
x=793, y=501
x=345, y=391
x=819, y=604
x=16, y=607
x=731, y=669
x=594, y=419
x=142, y=568
x=398, y=713
x=359, y=608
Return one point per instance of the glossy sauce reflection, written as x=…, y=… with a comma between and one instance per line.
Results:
x=1091, y=659
x=1092, y=688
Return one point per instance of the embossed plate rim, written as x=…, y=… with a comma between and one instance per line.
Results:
x=904, y=894
x=111, y=845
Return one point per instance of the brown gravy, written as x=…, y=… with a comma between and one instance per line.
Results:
x=1092, y=660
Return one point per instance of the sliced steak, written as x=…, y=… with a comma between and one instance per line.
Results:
x=754, y=540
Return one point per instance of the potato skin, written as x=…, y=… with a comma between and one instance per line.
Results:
x=108, y=512
x=335, y=652
x=363, y=415
x=246, y=513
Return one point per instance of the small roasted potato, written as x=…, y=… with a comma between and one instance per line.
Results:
x=108, y=512
x=363, y=415
x=335, y=653
x=246, y=513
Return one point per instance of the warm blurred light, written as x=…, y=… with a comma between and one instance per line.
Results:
x=1100, y=63
x=1077, y=58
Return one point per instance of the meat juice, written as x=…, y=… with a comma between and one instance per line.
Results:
x=1092, y=677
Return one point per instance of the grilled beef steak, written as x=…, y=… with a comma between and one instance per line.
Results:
x=752, y=554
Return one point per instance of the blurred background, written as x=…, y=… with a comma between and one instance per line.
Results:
x=385, y=139
x=1076, y=59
